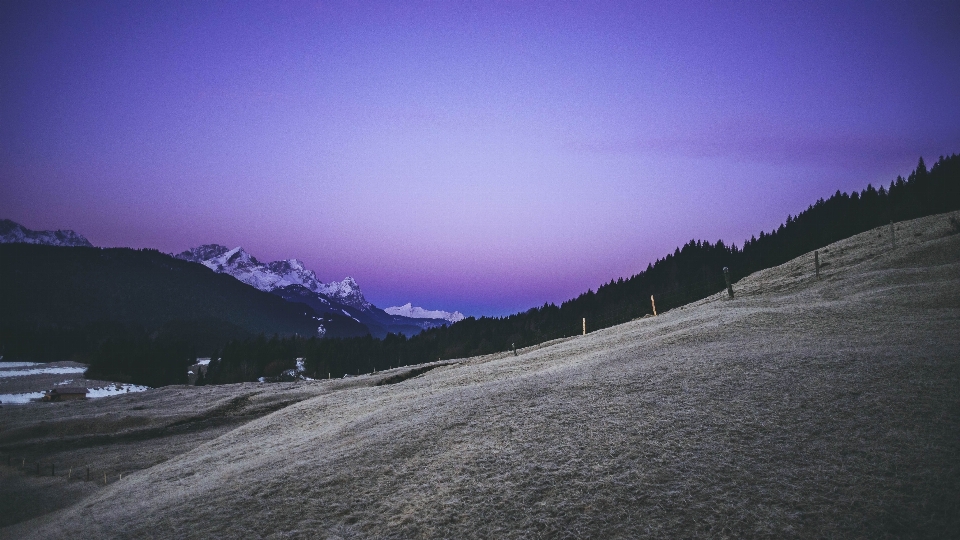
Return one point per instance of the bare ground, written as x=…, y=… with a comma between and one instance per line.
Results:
x=802, y=408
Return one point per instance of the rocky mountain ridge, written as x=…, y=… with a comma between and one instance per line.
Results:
x=414, y=312
x=273, y=275
x=292, y=281
x=12, y=232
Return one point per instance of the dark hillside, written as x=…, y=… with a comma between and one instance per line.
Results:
x=48, y=285
x=74, y=302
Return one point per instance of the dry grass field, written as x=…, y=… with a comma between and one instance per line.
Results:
x=802, y=408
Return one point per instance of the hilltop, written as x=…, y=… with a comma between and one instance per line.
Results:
x=801, y=408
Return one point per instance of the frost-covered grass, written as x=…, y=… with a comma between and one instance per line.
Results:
x=801, y=409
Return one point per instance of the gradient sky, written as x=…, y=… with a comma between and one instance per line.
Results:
x=485, y=157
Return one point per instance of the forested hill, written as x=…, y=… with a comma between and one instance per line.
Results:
x=60, y=303
x=691, y=272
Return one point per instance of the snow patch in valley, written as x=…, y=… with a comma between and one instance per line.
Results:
x=7, y=365
x=105, y=391
x=19, y=399
x=116, y=389
x=4, y=373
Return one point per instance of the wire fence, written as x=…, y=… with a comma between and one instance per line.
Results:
x=18, y=464
x=640, y=308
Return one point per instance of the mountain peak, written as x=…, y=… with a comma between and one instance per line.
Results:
x=12, y=232
x=409, y=310
x=347, y=292
x=203, y=253
x=273, y=275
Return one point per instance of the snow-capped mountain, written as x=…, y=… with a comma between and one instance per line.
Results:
x=273, y=275
x=408, y=310
x=12, y=232
x=293, y=282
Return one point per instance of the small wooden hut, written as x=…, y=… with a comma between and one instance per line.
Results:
x=65, y=393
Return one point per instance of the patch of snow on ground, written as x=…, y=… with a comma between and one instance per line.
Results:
x=112, y=390
x=40, y=371
x=6, y=365
x=115, y=390
x=18, y=399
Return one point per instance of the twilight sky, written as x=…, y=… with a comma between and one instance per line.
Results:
x=485, y=157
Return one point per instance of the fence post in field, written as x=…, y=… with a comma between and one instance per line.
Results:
x=726, y=277
x=816, y=262
x=653, y=305
x=584, y=326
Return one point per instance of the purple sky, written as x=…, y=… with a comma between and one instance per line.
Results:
x=485, y=157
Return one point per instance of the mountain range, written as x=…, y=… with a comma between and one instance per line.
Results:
x=342, y=302
x=12, y=232
x=292, y=281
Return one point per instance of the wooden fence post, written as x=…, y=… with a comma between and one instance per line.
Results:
x=816, y=262
x=726, y=277
x=653, y=305
x=584, y=326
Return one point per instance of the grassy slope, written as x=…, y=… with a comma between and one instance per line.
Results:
x=803, y=408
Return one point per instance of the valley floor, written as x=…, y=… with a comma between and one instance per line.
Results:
x=801, y=408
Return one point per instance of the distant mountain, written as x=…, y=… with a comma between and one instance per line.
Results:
x=274, y=275
x=408, y=310
x=12, y=232
x=292, y=281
